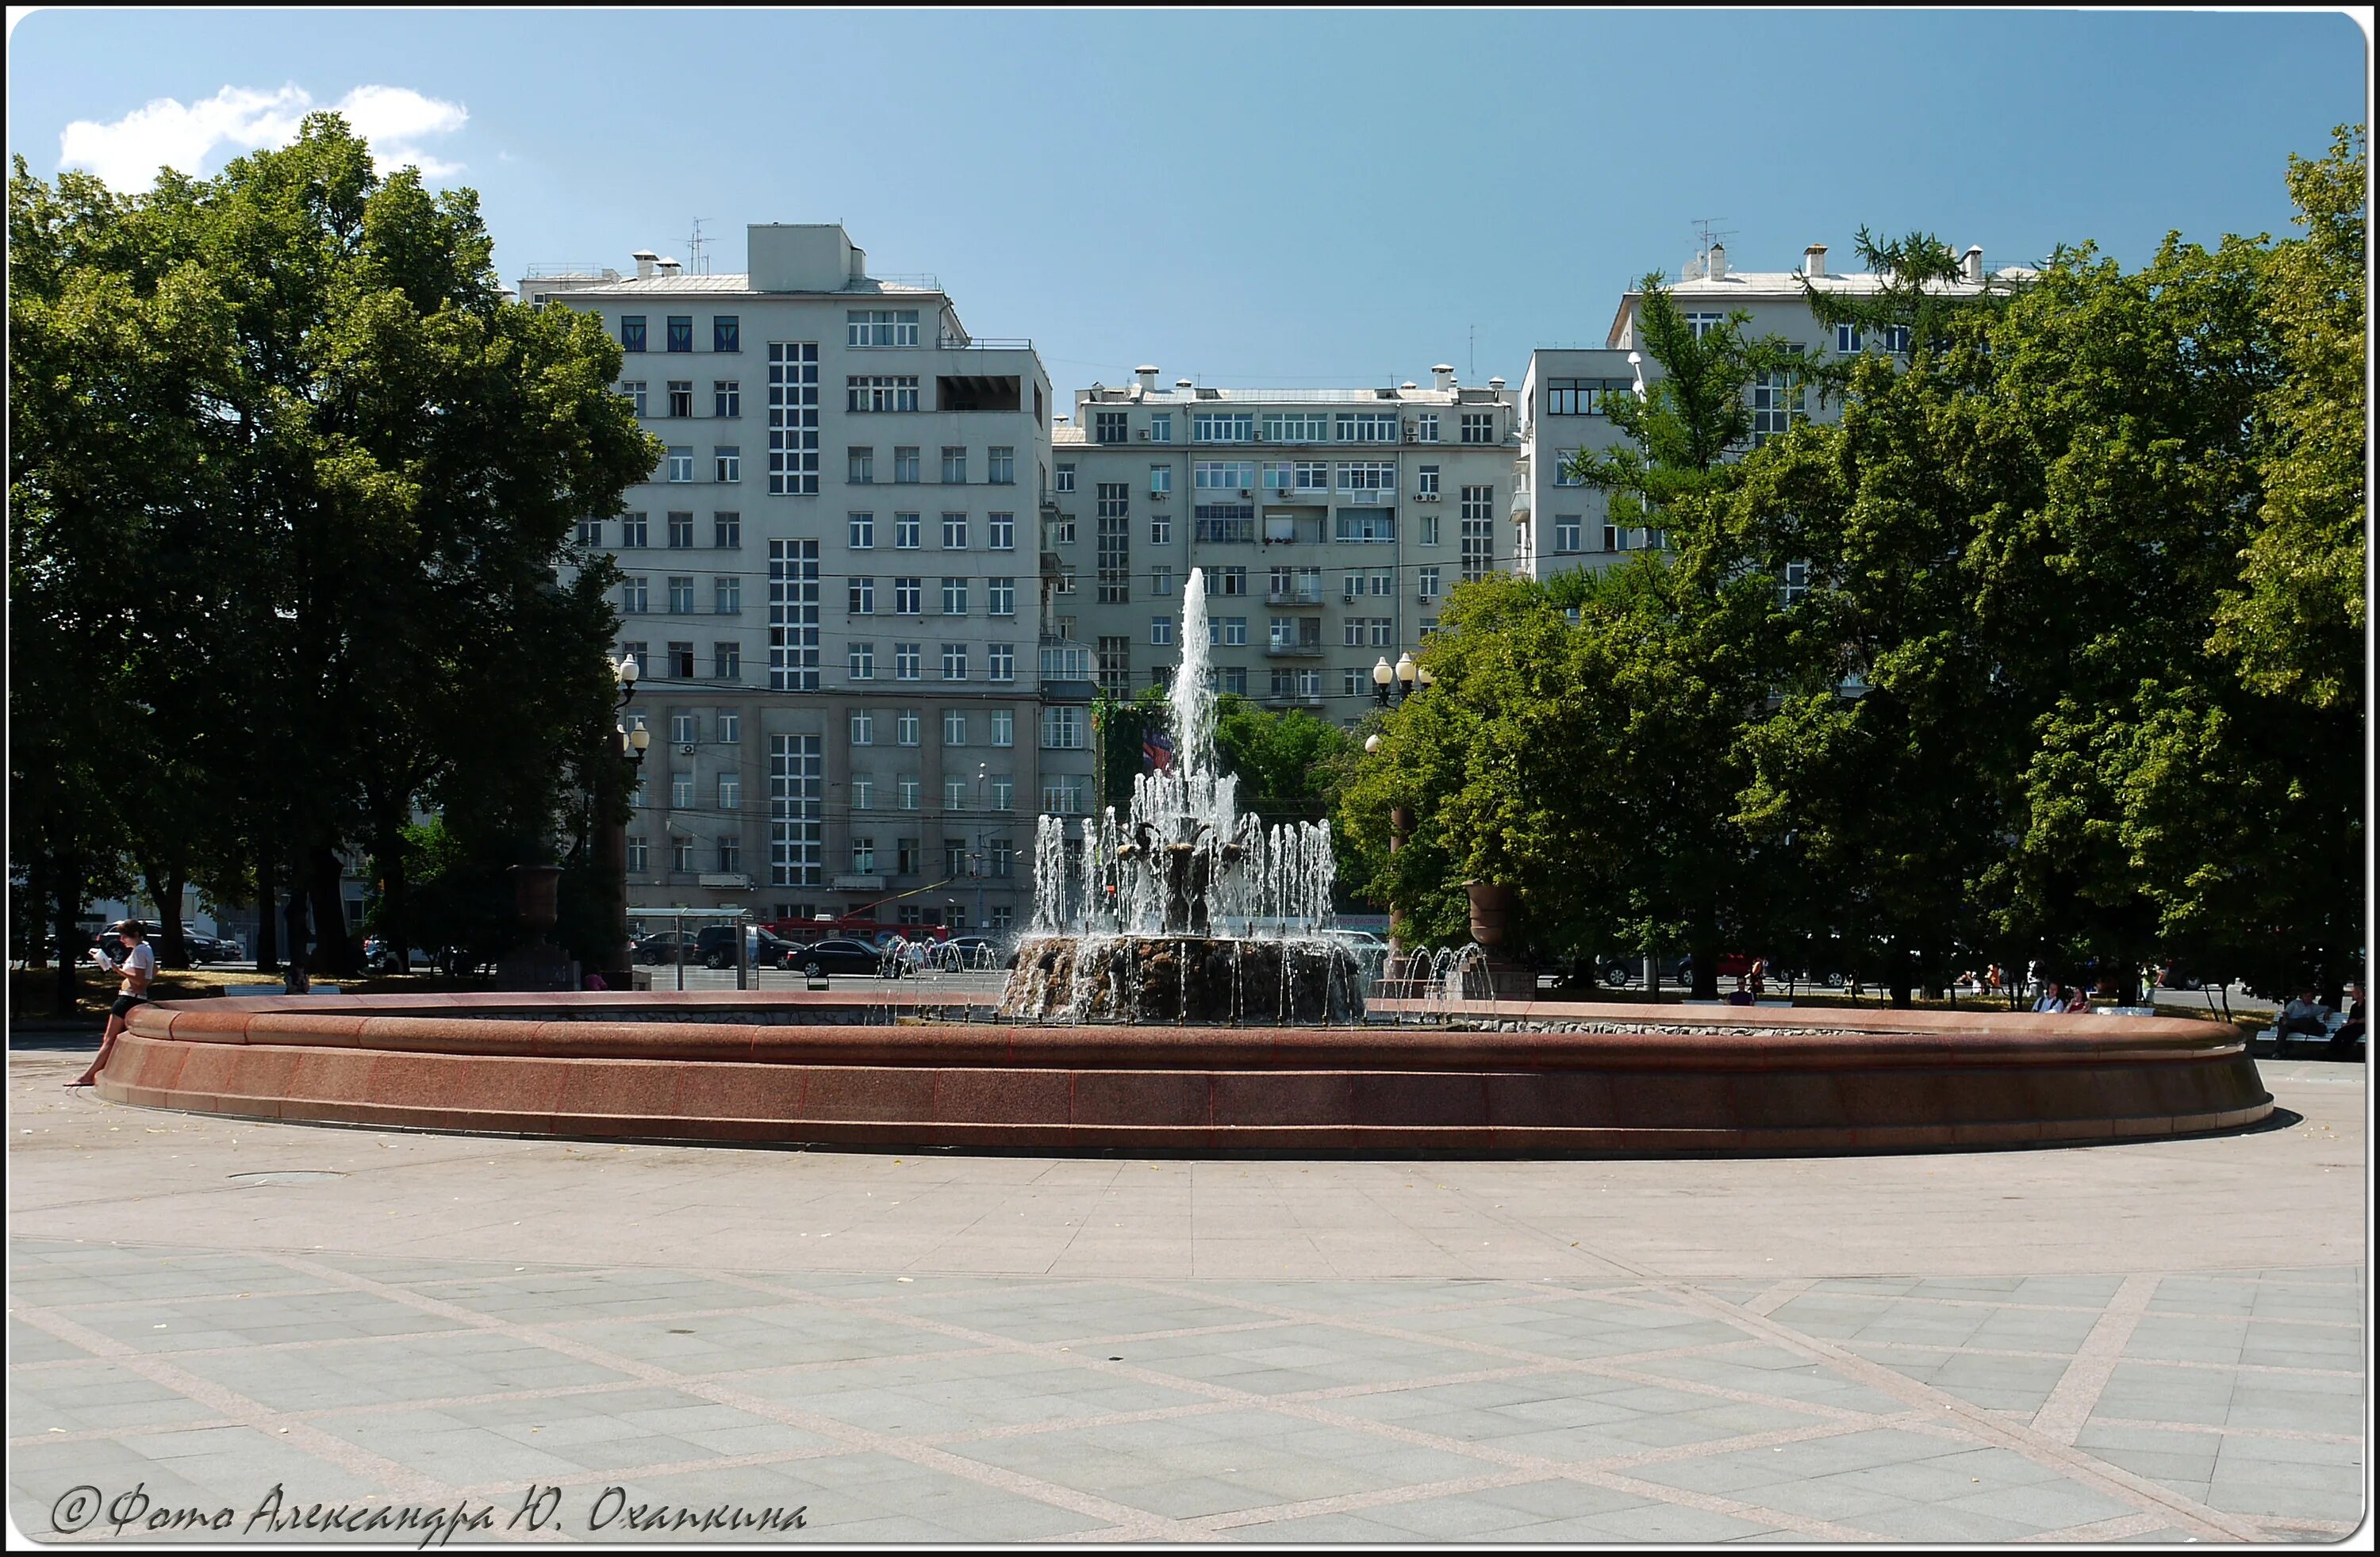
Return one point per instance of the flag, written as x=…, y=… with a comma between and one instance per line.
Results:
x=1155, y=751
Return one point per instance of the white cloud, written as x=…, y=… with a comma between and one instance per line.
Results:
x=167, y=132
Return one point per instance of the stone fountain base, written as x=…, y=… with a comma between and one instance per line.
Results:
x=1182, y=979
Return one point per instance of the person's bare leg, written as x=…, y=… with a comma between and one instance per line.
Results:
x=99, y=1063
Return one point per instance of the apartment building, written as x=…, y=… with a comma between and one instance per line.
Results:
x=1330, y=524
x=834, y=588
x=1567, y=525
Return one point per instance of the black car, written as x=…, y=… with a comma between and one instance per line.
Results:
x=716, y=947
x=666, y=946
x=844, y=957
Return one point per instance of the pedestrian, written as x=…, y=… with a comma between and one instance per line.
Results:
x=2303, y=1017
x=2081, y=1001
x=2343, y=1042
x=2053, y=999
x=1759, y=977
x=298, y=931
x=138, y=963
x=595, y=979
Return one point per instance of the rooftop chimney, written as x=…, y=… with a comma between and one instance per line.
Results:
x=1814, y=259
x=1147, y=371
x=1408, y=384
x=1974, y=262
x=1718, y=261
x=644, y=258
x=1444, y=373
x=669, y=267
x=1495, y=384
x=1183, y=383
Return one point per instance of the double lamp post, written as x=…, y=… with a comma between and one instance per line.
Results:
x=627, y=745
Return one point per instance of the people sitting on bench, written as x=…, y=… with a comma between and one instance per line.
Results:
x=2052, y=1002
x=2302, y=1018
x=2350, y=1032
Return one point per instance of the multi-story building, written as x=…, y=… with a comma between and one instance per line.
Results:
x=1330, y=524
x=834, y=588
x=1567, y=525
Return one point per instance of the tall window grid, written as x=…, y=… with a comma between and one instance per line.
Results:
x=793, y=417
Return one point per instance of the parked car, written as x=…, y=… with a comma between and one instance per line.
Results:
x=666, y=946
x=716, y=947
x=212, y=948
x=844, y=957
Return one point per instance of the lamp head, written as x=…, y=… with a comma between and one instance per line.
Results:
x=1381, y=674
x=639, y=739
x=1426, y=679
x=1404, y=668
x=625, y=670
x=1371, y=745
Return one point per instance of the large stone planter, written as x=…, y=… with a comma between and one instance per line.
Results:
x=1492, y=912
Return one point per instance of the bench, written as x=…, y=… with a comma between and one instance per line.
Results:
x=276, y=989
x=2332, y=1021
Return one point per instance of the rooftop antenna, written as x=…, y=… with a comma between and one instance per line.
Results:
x=1472, y=371
x=1707, y=234
x=695, y=246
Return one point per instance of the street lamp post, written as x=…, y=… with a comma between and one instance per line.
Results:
x=627, y=745
x=1397, y=682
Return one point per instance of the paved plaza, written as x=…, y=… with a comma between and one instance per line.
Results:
x=2159, y=1343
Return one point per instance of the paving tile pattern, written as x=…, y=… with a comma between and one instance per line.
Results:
x=2205, y=1406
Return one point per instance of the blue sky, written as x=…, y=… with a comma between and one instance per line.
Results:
x=1252, y=196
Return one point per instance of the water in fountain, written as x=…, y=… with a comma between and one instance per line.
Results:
x=1184, y=909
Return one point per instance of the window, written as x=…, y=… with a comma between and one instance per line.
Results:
x=1161, y=582
x=1114, y=654
x=1611, y=538
x=634, y=389
x=1378, y=581
x=591, y=531
x=1894, y=338
x=682, y=729
x=907, y=662
x=793, y=418
x=1367, y=426
x=862, y=590
x=1428, y=578
x=679, y=531
x=1003, y=798
x=955, y=594
x=1564, y=475
x=881, y=392
x=1065, y=479
x=862, y=531
x=1231, y=632
x=1160, y=631
x=1777, y=405
x=1233, y=678
x=681, y=464
x=1160, y=530
x=726, y=398
x=906, y=851
x=1161, y=479
x=880, y=327
x=796, y=808
x=726, y=662
x=862, y=661
x=1222, y=426
x=1223, y=476
x=1002, y=466
x=908, y=595
x=1796, y=585
x=859, y=466
x=1374, y=630
x=681, y=655
x=632, y=337
x=632, y=532
x=1061, y=730
x=724, y=334
x=1296, y=426
x=1426, y=428
x=729, y=726
x=1580, y=397
x=636, y=853
x=1479, y=532
x=1429, y=529
x=1223, y=520
x=1479, y=427
x=1066, y=580
x=1062, y=795
x=1365, y=526
x=1003, y=531
x=680, y=397
x=1375, y=479
x=727, y=595
x=731, y=852
x=1568, y=529
x=794, y=616
x=1002, y=668
x=863, y=729
x=680, y=594
x=1311, y=475
x=1114, y=543
x=955, y=658
x=954, y=467
x=1703, y=324
x=1108, y=426
x=681, y=333
x=727, y=463
x=682, y=849
x=905, y=727
x=954, y=532
x=905, y=467
x=1003, y=732
x=1160, y=427
x=863, y=792
x=909, y=788
x=632, y=594
x=954, y=728
x=1231, y=581
x=863, y=855
x=904, y=532
x=1000, y=595
x=727, y=532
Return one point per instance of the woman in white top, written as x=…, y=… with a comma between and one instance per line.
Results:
x=139, y=965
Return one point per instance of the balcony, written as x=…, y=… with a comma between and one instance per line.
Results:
x=1294, y=648
x=1300, y=596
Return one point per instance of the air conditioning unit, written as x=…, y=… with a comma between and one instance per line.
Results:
x=1425, y=496
x=686, y=748
x=1144, y=435
x=1158, y=497
x=1245, y=492
x=1413, y=434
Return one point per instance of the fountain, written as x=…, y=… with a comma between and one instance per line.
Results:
x=1184, y=911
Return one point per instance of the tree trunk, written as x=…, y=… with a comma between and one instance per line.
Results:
x=1704, y=944
x=334, y=950
x=173, y=945
x=67, y=907
x=268, y=916
x=395, y=909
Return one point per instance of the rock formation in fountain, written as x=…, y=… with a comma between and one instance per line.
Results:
x=1184, y=911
